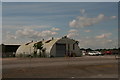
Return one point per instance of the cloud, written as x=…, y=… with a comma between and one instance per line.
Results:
x=103, y=35
x=10, y=36
x=26, y=33
x=72, y=33
x=72, y=30
x=113, y=17
x=82, y=11
x=87, y=31
x=82, y=21
x=30, y=33
x=55, y=29
x=47, y=33
x=94, y=43
x=73, y=23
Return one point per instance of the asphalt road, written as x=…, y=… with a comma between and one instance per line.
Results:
x=73, y=67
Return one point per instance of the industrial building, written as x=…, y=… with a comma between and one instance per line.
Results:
x=8, y=50
x=51, y=48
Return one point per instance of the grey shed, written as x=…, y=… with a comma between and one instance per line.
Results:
x=52, y=48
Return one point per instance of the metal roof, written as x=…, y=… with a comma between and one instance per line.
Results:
x=28, y=48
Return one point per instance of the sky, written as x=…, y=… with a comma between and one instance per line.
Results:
x=93, y=24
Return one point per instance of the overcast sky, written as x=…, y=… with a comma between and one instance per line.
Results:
x=93, y=24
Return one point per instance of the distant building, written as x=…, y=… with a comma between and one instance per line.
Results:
x=51, y=48
x=8, y=50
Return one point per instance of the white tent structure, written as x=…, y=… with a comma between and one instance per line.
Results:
x=52, y=48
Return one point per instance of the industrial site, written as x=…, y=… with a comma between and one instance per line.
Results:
x=71, y=40
x=58, y=58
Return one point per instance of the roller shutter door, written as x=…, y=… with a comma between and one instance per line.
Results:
x=60, y=50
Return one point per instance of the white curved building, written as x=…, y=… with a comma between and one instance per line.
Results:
x=52, y=48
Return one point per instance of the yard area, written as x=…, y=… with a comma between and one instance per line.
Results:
x=64, y=67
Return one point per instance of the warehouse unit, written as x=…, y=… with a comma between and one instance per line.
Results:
x=51, y=48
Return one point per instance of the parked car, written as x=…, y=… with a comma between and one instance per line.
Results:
x=94, y=53
x=84, y=53
x=98, y=53
x=107, y=52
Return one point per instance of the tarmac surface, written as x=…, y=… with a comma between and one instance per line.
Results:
x=64, y=67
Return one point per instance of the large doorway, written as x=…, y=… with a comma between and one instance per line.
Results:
x=60, y=50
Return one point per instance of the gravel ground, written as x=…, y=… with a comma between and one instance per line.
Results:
x=73, y=67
